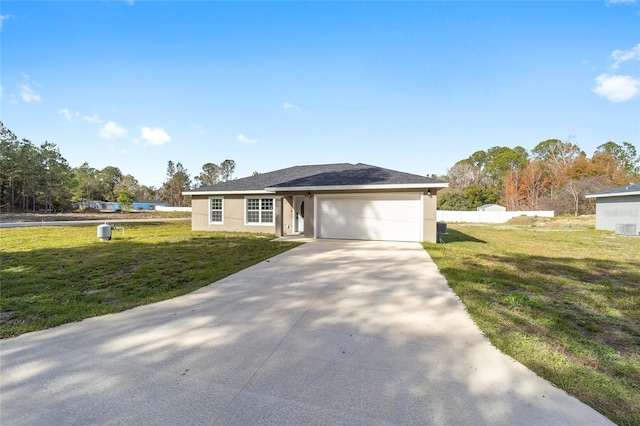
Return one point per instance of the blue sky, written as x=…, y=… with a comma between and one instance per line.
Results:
x=411, y=86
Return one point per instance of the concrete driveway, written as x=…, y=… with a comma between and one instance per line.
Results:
x=332, y=332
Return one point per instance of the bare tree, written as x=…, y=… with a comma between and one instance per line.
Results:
x=557, y=156
x=464, y=173
x=578, y=188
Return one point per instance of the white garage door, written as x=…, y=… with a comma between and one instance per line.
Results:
x=389, y=217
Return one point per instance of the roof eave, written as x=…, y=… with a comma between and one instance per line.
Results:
x=254, y=191
x=613, y=194
x=358, y=187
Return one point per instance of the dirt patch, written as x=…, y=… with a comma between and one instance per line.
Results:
x=586, y=220
x=5, y=316
x=562, y=221
x=92, y=291
x=90, y=210
x=121, y=272
x=523, y=220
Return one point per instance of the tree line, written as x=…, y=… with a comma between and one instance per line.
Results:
x=38, y=178
x=555, y=175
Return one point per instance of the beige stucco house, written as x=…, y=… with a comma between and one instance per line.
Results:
x=343, y=201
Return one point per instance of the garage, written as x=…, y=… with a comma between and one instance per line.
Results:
x=382, y=216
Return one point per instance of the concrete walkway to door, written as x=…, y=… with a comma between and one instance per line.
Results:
x=332, y=332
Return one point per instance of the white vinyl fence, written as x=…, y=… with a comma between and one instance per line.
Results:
x=173, y=209
x=486, y=216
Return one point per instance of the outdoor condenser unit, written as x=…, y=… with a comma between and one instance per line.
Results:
x=626, y=229
x=441, y=228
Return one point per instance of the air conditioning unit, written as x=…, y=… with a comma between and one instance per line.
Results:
x=441, y=228
x=626, y=229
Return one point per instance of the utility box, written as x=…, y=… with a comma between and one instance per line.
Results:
x=104, y=232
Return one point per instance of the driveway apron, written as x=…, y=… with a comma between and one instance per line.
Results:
x=331, y=332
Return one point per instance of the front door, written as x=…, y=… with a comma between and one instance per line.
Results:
x=298, y=206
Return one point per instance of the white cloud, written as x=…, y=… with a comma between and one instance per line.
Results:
x=198, y=128
x=68, y=114
x=2, y=18
x=242, y=138
x=95, y=118
x=28, y=95
x=617, y=88
x=620, y=56
x=92, y=118
x=111, y=131
x=288, y=106
x=608, y=2
x=155, y=136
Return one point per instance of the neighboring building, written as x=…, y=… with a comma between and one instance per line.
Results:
x=147, y=204
x=491, y=208
x=113, y=206
x=95, y=204
x=618, y=209
x=344, y=201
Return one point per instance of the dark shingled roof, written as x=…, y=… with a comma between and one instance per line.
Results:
x=340, y=174
x=630, y=188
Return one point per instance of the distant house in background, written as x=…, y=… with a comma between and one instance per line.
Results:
x=491, y=208
x=147, y=204
x=618, y=209
x=108, y=205
x=94, y=204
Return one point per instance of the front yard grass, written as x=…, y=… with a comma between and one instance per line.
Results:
x=55, y=275
x=562, y=300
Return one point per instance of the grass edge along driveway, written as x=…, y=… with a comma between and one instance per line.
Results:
x=564, y=301
x=55, y=275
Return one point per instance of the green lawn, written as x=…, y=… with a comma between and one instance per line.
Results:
x=54, y=275
x=563, y=300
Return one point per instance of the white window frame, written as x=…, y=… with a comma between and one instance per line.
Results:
x=260, y=198
x=221, y=210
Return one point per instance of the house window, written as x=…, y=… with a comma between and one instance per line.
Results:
x=259, y=211
x=215, y=211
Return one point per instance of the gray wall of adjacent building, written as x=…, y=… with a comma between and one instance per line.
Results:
x=617, y=210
